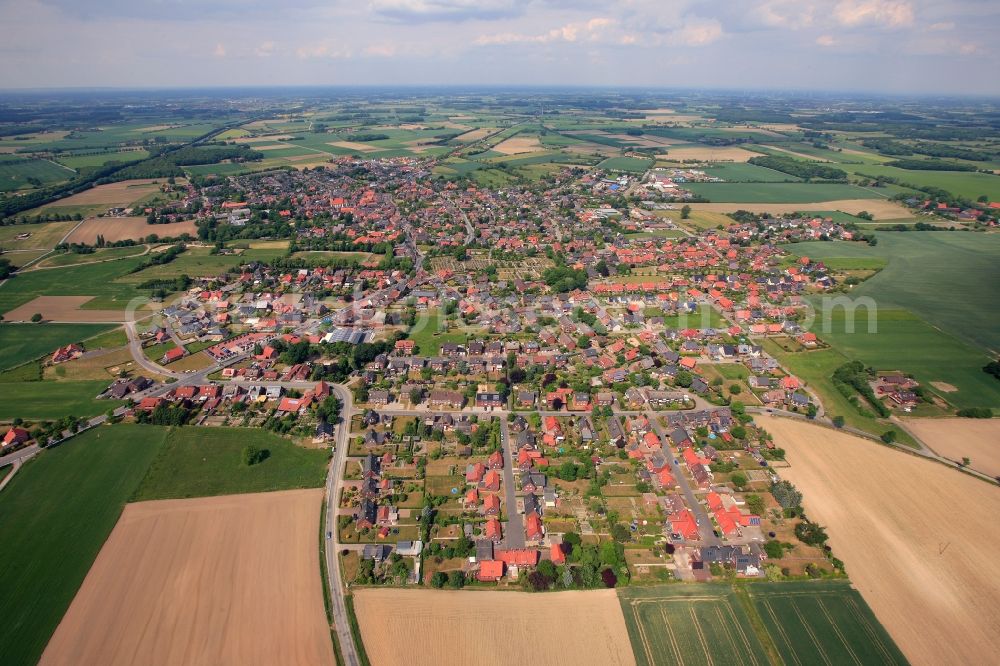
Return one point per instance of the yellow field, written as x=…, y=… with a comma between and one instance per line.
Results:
x=918, y=539
x=43, y=236
x=121, y=228
x=221, y=580
x=113, y=194
x=522, y=143
x=464, y=627
x=975, y=439
x=881, y=209
x=708, y=154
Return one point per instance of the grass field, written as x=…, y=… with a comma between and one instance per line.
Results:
x=98, y=280
x=200, y=462
x=968, y=184
x=822, y=622
x=946, y=278
x=629, y=164
x=15, y=174
x=52, y=400
x=793, y=193
x=57, y=513
x=25, y=342
x=690, y=624
x=740, y=172
x=705, y=317
x=805, y=623
x=72, y=259
x=44, y=235
x=941, y=357
x=99, y=159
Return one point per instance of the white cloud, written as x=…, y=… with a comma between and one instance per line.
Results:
x=220, y=50
x=826, y=40
x=592, y=30
x=888, y=13
x=941, y=27
x=265, y=49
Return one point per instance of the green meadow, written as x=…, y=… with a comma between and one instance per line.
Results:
x=26, y=342
x=56, y=514
x=779, y=192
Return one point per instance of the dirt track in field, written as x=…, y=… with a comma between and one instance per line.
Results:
x=221, y=580
x=918, y=539
x=976, y=439
x=439, y=627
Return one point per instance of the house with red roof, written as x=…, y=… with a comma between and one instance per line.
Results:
x=533, y=527
x=16, y=436
x=490, y=571
x=493, y=530
x=491, y=505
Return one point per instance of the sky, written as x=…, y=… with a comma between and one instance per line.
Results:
x=892, y=46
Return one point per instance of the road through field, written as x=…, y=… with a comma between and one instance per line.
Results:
x=918, y=539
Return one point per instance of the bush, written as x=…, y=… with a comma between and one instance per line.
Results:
x=438, y=579
x=739, y=479
x=774, y=549
x=253, y=455
x=976, y=413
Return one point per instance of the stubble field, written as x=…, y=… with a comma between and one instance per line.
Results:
x=122, y=228
x=918, y=539
x=445, y=627
x=225, y=580
x=976, y=439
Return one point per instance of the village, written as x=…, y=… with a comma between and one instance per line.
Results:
x=540, y=392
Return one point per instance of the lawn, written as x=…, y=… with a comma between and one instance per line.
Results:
x=57, y=513
x=203, y=462
x=52, y=400
x=778, y=192
x=25, y=342
x=427, y=335
x=946, y=278
x=704, y=317
x=822, y=622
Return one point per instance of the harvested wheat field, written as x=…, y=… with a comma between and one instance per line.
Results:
x=355, y=146
x=975, y=439
x=708, y=154
x=220, y=580
x=475, y=135
x=919, y=539
x=113, y=194
x=64, y=309
x=121, y=228
x=442, y=627
x=881, y=209
x=522, y=143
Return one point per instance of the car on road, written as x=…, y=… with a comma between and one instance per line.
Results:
x=329, y=535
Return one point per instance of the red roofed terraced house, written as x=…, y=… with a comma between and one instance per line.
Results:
x=174, y=354
x=493, y=530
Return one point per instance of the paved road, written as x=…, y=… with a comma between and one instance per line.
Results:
x=704, y=522
x=135, y=348
x=333, y=481
x=514, y=537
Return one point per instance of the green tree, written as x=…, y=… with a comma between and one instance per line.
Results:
x=439, y=579
x=685, y=212
x=37, y=317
